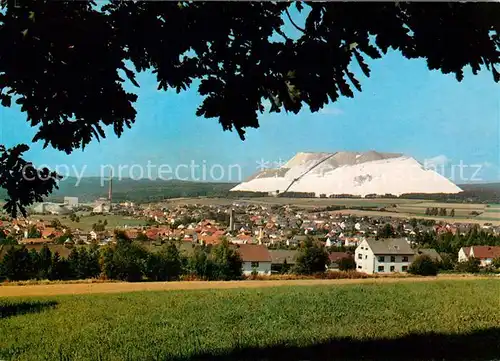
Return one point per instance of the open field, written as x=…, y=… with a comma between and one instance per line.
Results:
x=86, y=287
x=470, y=219
x=86, y=222
x=301, y=202
x=397, y=321
x=405, y=208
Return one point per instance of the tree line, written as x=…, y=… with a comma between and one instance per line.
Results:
x=443, y=212
x=126, y=260
x=450, y=243
x=130, y=261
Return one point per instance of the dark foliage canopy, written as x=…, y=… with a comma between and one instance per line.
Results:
x=65, y=63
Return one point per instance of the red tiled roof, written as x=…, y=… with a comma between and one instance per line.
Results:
x=253, y=253
x=210, y=239
x=132, y=233
x=47, y=232
x=337, y=256
x=482, y=252
x=35, y=240
x=244, y=237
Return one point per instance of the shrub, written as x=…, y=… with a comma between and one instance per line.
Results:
x=166, y=265
x=423, y=265
x=226, y=261
x=311, y=259
x=347, y=264
x=124, y=261
x=448, y=262
x=220, y=262
x=320, y=275
x=472, y=265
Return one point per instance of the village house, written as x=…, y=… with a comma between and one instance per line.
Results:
x=485, y=254
x=256, y=258
x=383, y=256
x=335, y=258
x=431, y=252
x=281, y=258
x=35, y=241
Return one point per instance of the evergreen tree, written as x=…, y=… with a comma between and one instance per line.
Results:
x=34, y=263
x=44, y=263
x=387, y=231
x=17, y=264
x=60, y=268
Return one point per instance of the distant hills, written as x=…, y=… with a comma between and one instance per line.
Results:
x=90, y=188
x=486, y=192
x=144, y=190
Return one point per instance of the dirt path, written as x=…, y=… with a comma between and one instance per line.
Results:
x=91, y=288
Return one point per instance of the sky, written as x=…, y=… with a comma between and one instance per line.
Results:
x=403, y=107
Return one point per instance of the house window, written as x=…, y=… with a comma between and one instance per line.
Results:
x=393, y=268
x=381, y=268
x=404, y=268
x=360, y=266
x=381, y=258
x=255, y=264
x=360, y=256
x=393, y=258
x=405, y=258
x=366, y=257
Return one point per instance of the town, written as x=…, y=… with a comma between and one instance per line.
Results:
x=268, y=237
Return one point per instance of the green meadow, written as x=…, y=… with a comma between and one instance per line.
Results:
x=426, y=320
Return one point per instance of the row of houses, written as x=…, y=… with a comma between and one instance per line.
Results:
x=396, y=254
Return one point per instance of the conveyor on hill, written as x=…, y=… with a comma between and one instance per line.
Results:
x=307, y=171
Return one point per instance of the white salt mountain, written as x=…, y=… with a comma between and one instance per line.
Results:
x=351, y=173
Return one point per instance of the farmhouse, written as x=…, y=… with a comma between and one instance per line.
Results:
x=485, y=254
x=383, y=256
x=255, y=258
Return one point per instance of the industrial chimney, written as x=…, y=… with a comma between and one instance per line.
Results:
x=110, y=190
x=231, y=220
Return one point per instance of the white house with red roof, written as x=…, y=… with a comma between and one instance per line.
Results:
x=485, y=254
x=255, y=257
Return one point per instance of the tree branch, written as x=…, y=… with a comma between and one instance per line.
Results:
x=293, y=22
x=282, y=33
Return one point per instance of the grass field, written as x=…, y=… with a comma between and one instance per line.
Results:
x=302, y=202
x=423, y=320
x=405, y=208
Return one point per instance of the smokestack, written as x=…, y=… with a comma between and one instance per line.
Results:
x=110, y=190
x=231, y=220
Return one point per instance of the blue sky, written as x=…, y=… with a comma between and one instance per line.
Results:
x=403, y=107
